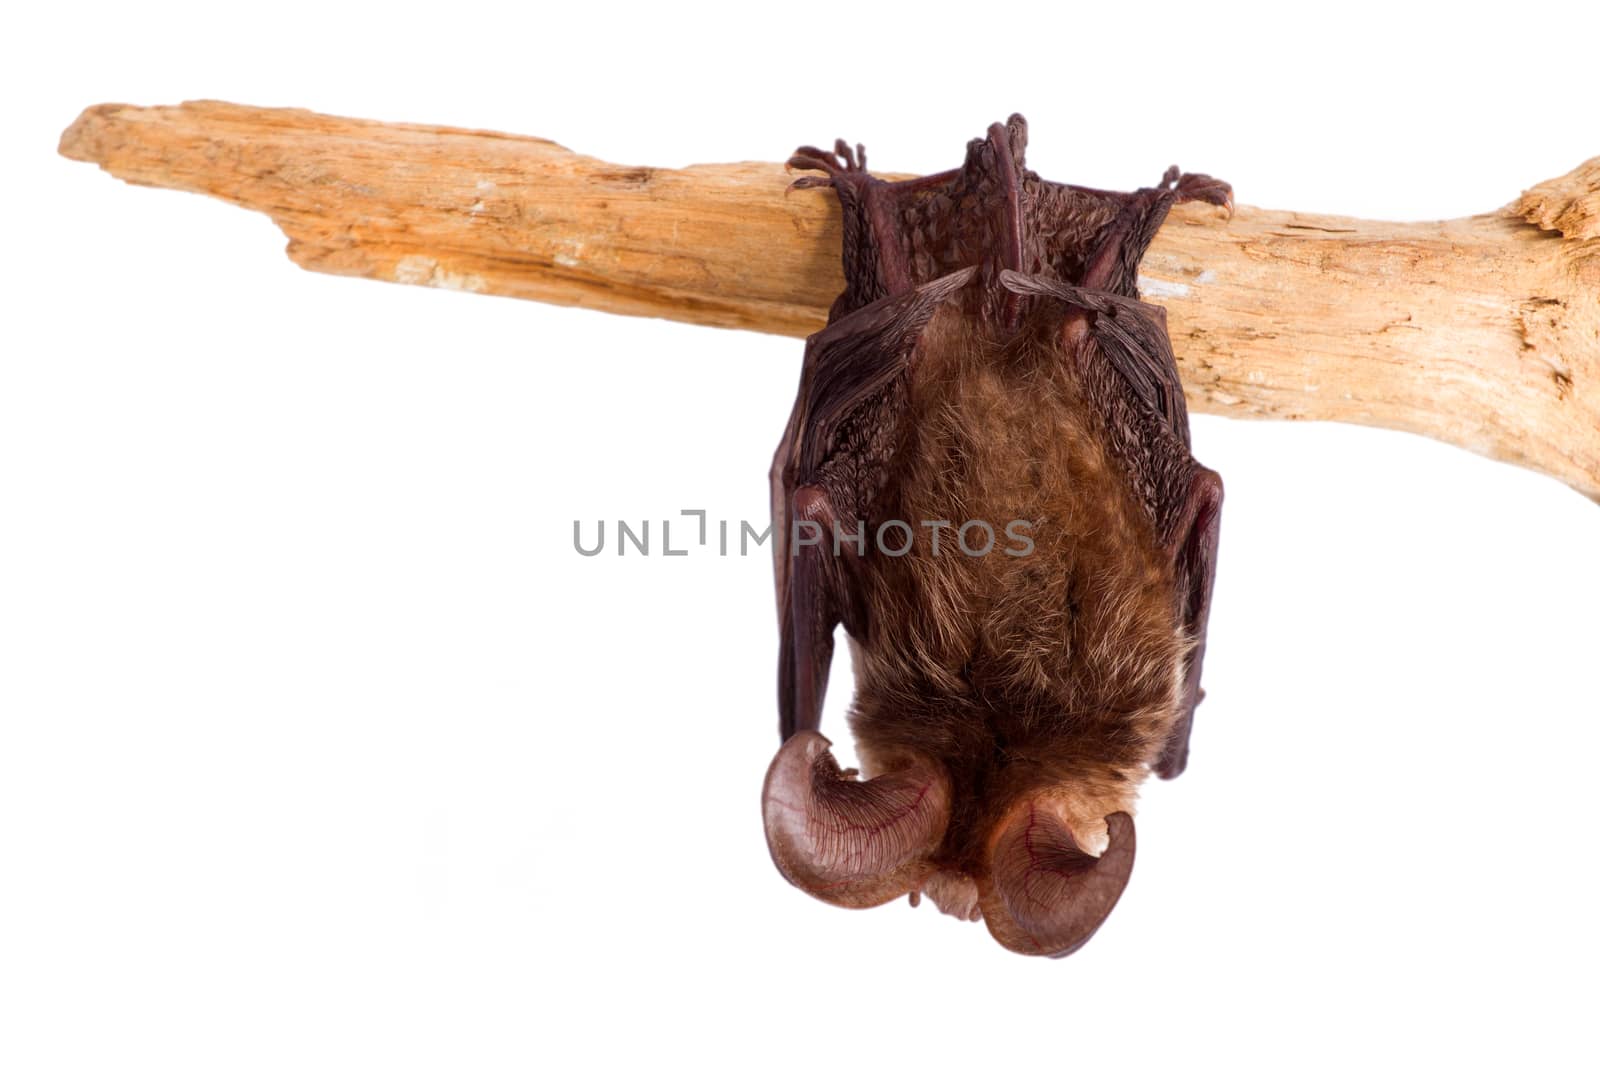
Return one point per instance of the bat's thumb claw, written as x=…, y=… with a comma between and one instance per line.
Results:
x=809, y=182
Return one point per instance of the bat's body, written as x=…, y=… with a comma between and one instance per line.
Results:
x=987, y=481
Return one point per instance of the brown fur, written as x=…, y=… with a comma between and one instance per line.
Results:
x=1056, y=671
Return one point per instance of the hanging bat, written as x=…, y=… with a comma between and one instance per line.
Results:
x=988, y=367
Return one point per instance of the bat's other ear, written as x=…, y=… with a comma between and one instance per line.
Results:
x=850, y=842
x=1045, y=896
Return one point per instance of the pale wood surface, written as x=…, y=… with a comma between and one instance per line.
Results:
x=1482, y=331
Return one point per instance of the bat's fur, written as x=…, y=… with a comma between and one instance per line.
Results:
x=1057, y=670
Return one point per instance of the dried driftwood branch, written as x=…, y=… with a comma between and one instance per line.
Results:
x=1483, y=331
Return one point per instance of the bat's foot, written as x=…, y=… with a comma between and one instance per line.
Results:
x=843, y=162
x=1201, y=187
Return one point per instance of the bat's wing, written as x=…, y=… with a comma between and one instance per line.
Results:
x=1194, y=547
x=828, y=469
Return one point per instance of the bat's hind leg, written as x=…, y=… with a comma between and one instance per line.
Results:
x=875, y=264
x=1114, y=265
x=1202, y=188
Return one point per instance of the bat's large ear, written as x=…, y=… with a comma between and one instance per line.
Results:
x=850, y=842
x=1044, y=895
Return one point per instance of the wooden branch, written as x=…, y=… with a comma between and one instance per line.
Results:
x=1483, y=331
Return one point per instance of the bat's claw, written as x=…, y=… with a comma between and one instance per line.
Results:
x=811, y=182
x=1206, y=189
x=844, y=163
x=842, y=158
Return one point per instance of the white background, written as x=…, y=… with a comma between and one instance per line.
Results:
x=320, y=744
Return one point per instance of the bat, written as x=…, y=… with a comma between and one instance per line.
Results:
x=986, y=479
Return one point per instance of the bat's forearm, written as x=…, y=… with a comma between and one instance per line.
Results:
x=1483, y=332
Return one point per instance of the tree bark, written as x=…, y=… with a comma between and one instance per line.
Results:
x=1483, y=332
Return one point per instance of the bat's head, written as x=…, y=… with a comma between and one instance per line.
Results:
x=1041, y=864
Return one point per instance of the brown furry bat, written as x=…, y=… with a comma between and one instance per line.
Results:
x=987, y=480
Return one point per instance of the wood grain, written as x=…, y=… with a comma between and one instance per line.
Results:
x=1483, y=332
